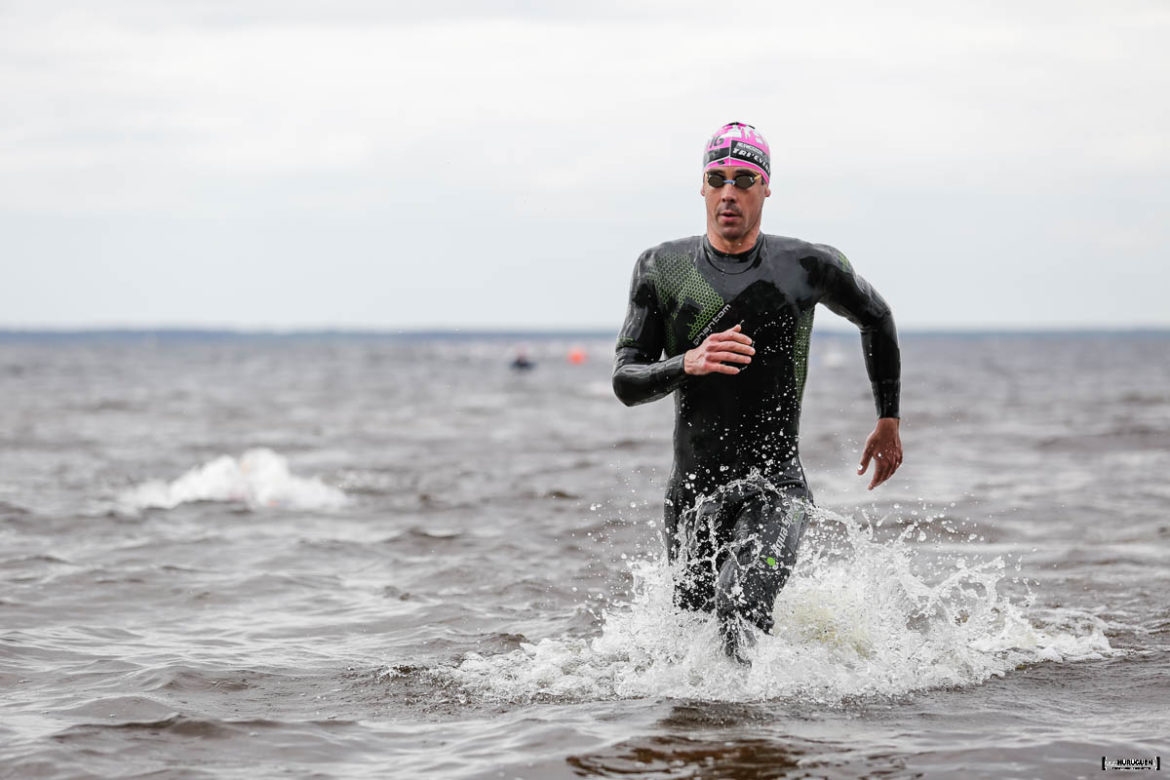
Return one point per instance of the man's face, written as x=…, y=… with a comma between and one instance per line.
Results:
x=732, y=213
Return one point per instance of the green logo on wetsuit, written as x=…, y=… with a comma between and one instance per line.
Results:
x=677, y=280
x=804, y=327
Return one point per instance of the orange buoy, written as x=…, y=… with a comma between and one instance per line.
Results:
x=576, y=356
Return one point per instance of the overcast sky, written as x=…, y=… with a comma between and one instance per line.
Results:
x=501, y=164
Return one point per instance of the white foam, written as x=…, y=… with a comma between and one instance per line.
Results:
x=259, y=478
x=858, y=618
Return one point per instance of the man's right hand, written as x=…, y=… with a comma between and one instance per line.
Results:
x=717, y=351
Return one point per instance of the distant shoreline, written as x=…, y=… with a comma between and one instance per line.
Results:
x=246, y=334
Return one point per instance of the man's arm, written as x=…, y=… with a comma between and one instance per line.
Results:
x=638, y=379
x=847, y=294
x=638, y=374
x=850, y=296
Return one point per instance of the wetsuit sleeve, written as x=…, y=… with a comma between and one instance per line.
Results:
x=638, y=373
x=847, y=294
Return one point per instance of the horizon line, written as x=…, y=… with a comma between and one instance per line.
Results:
x=183, y=331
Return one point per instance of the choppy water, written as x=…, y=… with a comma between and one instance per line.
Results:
x=363, y=557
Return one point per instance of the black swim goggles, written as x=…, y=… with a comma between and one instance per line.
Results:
x=743, y=181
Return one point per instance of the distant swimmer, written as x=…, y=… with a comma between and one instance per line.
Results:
x=723, y=321
x=521, y=362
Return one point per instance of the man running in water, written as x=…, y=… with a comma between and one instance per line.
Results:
x=733, y=311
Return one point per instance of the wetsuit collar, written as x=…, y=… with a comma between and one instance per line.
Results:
x=734, y=263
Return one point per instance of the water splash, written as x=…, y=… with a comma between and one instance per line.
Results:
x=859, y=617
x=259, y=478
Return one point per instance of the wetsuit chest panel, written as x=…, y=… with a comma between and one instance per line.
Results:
x=688, y=299
x=697, y=299
x=772, y=300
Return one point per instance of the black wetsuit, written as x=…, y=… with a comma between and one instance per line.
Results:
x=735, y=501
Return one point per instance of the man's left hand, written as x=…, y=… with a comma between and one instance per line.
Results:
x=884, y=447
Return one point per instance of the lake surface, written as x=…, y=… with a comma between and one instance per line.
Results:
x=329, y=556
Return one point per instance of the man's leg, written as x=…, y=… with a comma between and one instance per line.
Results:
x=766, y=536
x=696, y=545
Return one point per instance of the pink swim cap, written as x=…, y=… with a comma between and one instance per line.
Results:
x=739, y=145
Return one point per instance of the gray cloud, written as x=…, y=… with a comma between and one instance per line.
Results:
x=357, y=165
